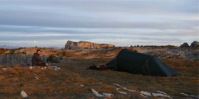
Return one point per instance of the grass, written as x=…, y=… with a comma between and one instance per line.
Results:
x=75, y=81
x=2, y=50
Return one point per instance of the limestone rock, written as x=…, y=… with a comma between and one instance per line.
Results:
x=24, y=55
x=86, y=45
x=184, y=45
x=70, y=44
x=195, y=44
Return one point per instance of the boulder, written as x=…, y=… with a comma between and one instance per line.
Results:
x=86, y=45
x=195, y=44
x=71, y=45
x=184, y=45
x=19, y=56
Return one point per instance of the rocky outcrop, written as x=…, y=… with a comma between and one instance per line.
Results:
x=184, y=45
x=24, y=55
x=86, y=45
x=195, y=44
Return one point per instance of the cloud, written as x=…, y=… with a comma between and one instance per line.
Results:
x=137, y=21
x=94, y=13
x=107, y=35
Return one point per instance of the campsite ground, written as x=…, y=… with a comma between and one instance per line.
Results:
x=73, y=80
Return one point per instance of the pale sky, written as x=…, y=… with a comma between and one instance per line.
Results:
x=45, y=23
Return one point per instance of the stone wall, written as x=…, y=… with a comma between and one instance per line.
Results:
x=24, y=55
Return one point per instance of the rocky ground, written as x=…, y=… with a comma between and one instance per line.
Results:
x=24, y=55
x=73, y=80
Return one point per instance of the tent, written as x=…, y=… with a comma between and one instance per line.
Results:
x=139, y=63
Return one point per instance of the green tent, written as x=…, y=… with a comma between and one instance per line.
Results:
x=138, y=63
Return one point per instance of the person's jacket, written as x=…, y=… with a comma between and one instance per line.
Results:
x=36, y=60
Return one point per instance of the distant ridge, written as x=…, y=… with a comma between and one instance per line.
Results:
x=8, y=47
x=13, y=47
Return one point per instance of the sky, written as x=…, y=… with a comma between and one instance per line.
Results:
x=46, y=23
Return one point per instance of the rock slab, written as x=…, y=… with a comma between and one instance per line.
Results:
x=86, y=45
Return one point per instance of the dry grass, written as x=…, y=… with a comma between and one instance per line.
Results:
x=67, y=82
x=71, y=54
x=2, y=50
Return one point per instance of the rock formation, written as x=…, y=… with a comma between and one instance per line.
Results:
x=195, y=44
x=86, y=45
x=184, y=45
x=24, y=55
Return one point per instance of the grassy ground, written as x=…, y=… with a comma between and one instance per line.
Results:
x=75, y=81
x=2, y=50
